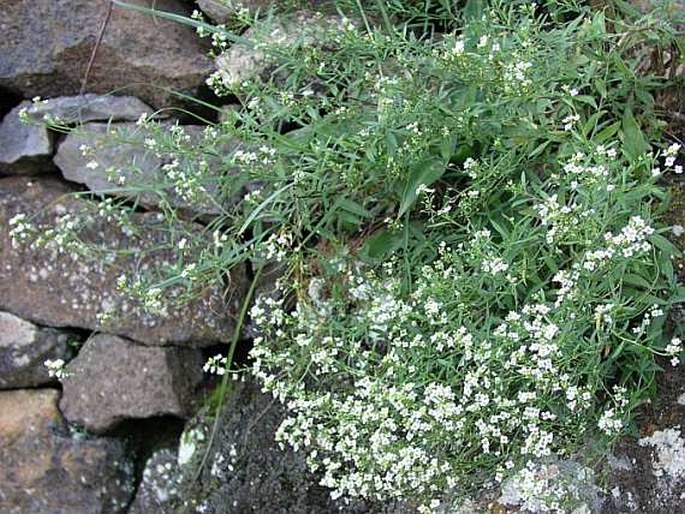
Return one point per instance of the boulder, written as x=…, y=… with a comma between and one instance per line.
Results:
x=25, y=148
x=62, y=283
x=70, y=110
x=112, y=379
x=223, y=11
x=108, y=158
x=114, y=159
x=26, y=144
x=24, y=348
x=646, y=471
x=44, y=469
x=159, y=485
x=247, y=62
x=246, y=470
x=46, y=47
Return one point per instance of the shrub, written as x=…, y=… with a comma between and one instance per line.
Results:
x=465, y=204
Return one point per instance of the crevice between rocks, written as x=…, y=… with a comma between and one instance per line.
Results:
x=143, y=437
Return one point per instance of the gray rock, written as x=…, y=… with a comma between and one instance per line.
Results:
x=246, y=470
x=646, y=473
x=222, y=11
x=112, y=379
x=24, y=348
x=159, y=486
x=57, y=285
x=111, y=160
x=46, y=46
x=567, y=482
x=25, y=148
x=70, y=110
x=45, y=470
x=243, y=62
x=117, y=162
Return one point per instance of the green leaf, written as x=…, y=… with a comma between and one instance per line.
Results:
x=590, y=100
x=601, y=88
x=667, y=269
x=679, y=297
x=591, y=123
x=447, y=147
x=607, y=133
x=391, y=142
x=634, y=280
x=501, y=229
x=664, y=245
x=634, y=143
x=540, y=148
x=598, y=25
x=347, y=218
x=352, y=207
x=473, y=10
x=381, y=244
x=425, y=172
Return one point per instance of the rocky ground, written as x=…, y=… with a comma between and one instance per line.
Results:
x=125, y=430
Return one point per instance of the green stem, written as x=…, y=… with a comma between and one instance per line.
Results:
x=224, y=387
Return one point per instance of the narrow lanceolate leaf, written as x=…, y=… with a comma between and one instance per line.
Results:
x=424, y=173
x=634, y=143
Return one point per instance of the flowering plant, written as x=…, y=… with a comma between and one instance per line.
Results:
x=464, y=203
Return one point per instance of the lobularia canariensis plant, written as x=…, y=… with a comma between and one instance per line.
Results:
x=464, y=202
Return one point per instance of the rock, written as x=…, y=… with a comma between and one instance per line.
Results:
x=24, y=348
x=46, y=47
x=57, y=285
x=70, y=110
x=561, y=482
x=646, y=472
x=242, y=62
x=111, y=161
x=159, y=484
x=112, y=379
x=222, y=11
x=25, y=148
x=246, y=470
x=119, y=162
x=45, y=470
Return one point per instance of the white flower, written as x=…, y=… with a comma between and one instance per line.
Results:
x=494, y=266
x=470, y=163
x=56, y=368
x=569, y=120
x=216, y=365
x=673, y=349
x=609, y=423
x=672, y=150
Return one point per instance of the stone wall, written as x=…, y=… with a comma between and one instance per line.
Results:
x=71, y=442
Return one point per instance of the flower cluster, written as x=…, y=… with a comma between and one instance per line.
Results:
x=497, y=392
x=21, y=229
x=216, y=365
x=56, y=368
